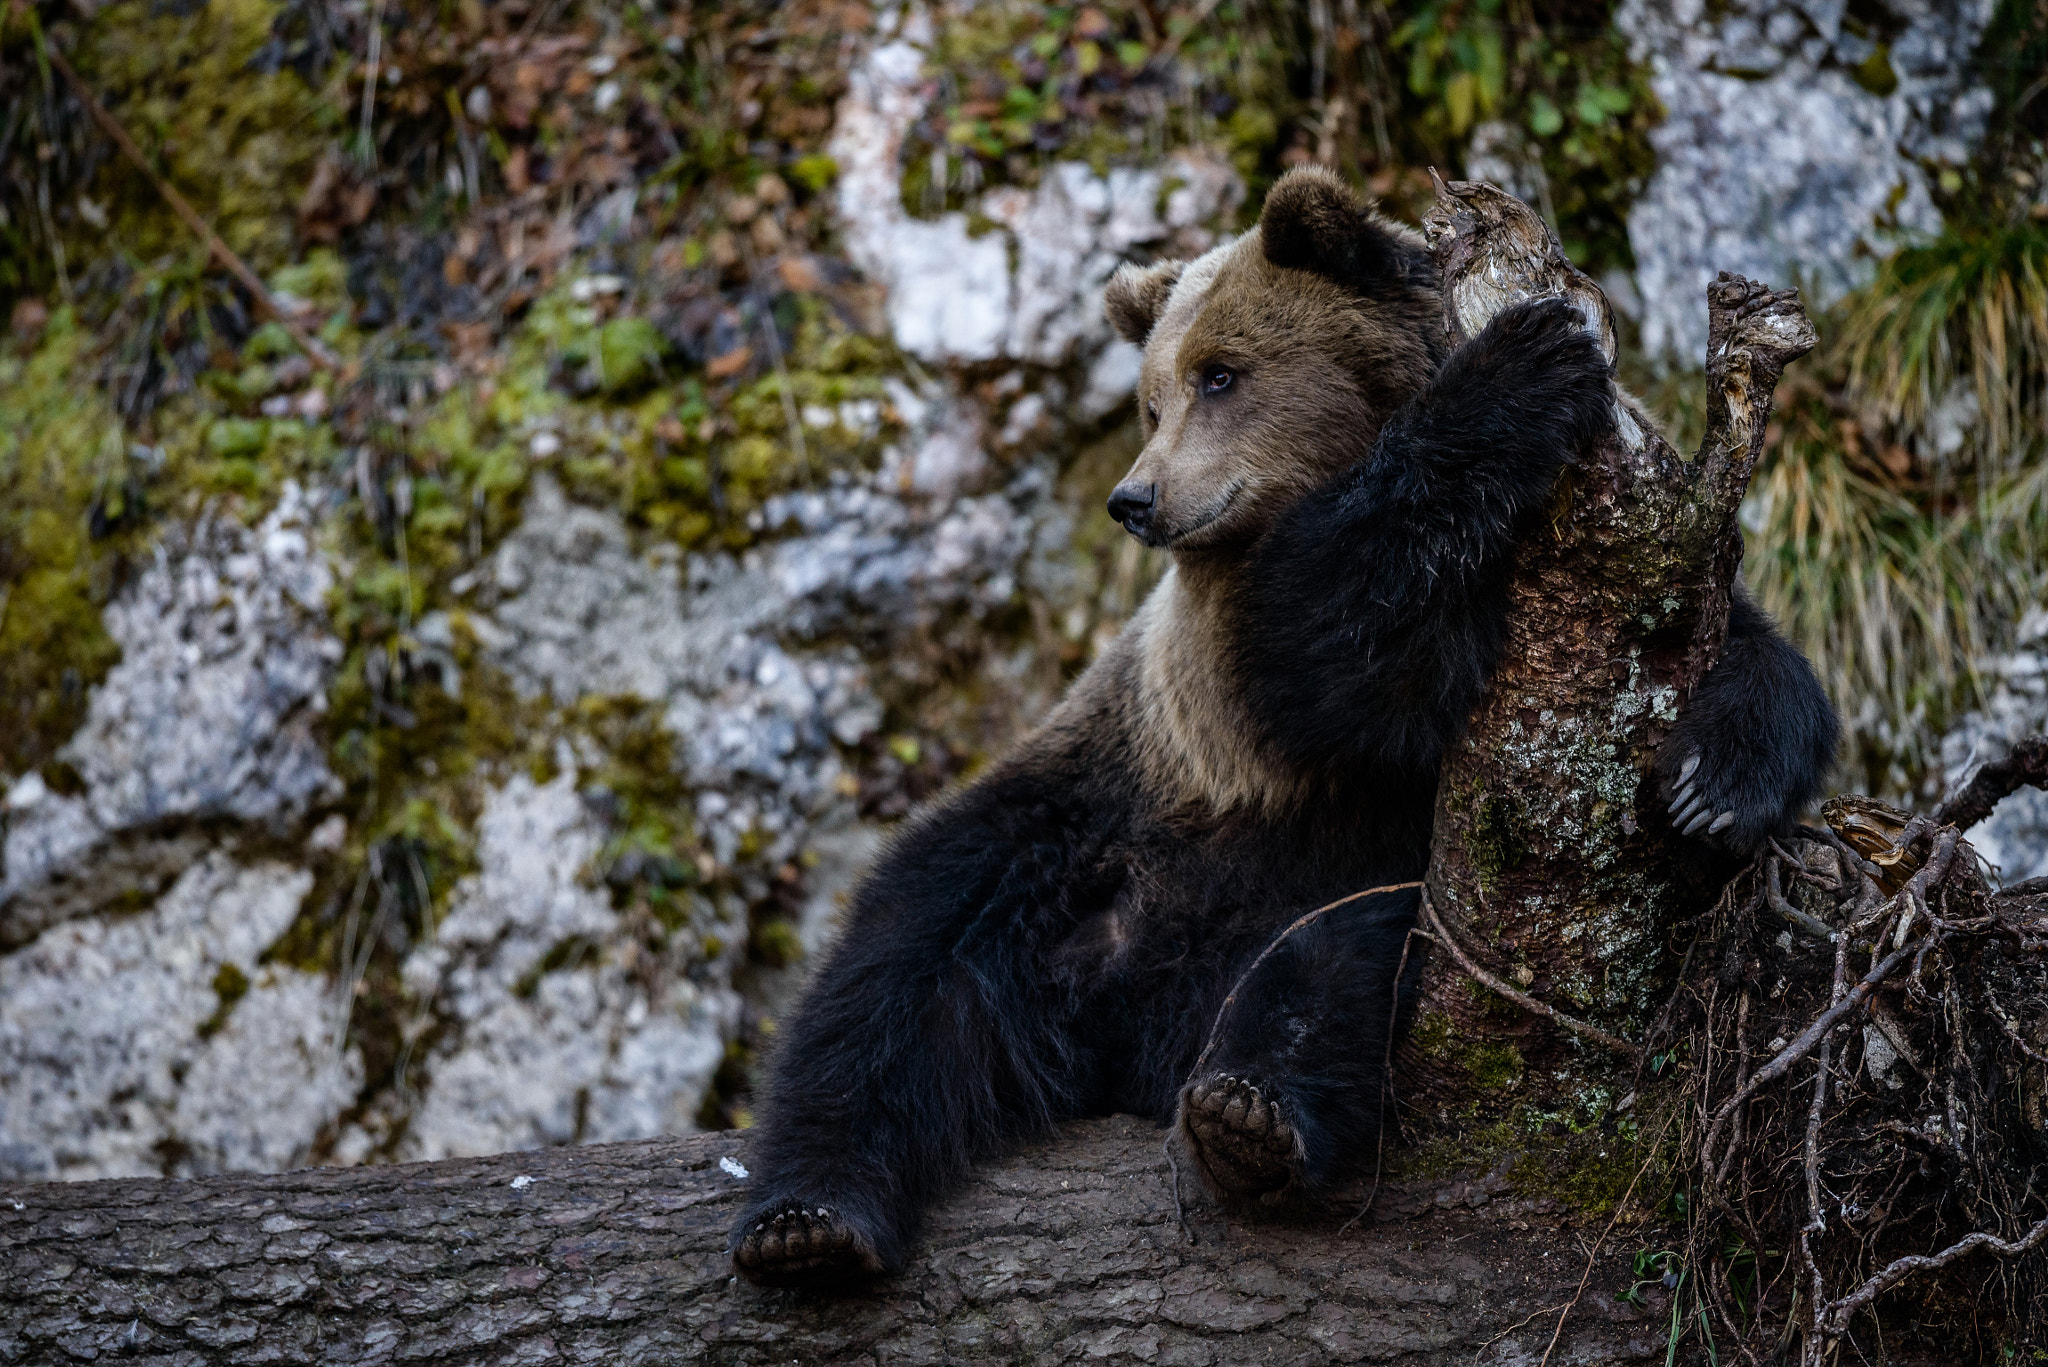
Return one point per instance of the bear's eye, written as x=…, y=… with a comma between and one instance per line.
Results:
x=1217, y=378
x=1152, y=410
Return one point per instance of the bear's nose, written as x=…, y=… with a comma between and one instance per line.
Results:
x=1131, y=505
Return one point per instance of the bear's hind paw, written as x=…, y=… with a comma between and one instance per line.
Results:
x=1241, y=1138
x=804, y=1246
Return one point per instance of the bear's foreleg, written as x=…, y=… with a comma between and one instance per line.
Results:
x=1755, y=742
x=1293, y=1090
x=1373, y=611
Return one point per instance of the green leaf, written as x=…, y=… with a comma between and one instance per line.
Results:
x=1545, y=118
x=237, y=436
x=1461, y=93
x=815, y=171
x=628, y=354
x=1493, y=69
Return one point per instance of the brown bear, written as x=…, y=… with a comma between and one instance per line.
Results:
x=1341, y=500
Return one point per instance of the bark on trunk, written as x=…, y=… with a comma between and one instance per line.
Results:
x=1554, y=871
x=616, y=1254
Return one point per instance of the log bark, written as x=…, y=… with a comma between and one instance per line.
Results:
x=1554, y=869
x=616, y=1254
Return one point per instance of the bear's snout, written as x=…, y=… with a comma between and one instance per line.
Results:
x=1132, y=504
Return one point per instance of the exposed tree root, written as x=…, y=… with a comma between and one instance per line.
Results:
x=1864, y=1033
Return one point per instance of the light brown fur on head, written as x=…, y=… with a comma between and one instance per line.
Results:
x=1326, y=318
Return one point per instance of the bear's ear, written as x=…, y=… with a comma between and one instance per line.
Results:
x=1135, y=295
x=1313, y=221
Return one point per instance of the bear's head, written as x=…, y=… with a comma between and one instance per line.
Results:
x=1270, y=362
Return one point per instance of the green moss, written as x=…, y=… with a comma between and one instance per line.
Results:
x=1023, y=85
x=1496, y=846
x=1492, y=1067
x=628, y=354
x=1432, y=1034
x=572, y=953
x=240, y=143
x=691, y=460
x=62, y=455
x=1585, y=1163
x=1874, y=73
x=1590, y=1171
x=230, y=985
x=776, y=944
x=653, y=855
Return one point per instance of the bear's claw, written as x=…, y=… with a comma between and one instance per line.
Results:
x=802, y=1246
x=1693, y=805
x=1241, y=1139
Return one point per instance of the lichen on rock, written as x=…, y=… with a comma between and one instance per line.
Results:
x=104, y=1069
x=1798, y=144
x=211, y=714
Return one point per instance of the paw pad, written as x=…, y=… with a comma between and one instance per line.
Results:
x=1239, y=1136
x=804, y=1245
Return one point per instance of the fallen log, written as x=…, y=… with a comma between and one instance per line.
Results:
x=615, y=1253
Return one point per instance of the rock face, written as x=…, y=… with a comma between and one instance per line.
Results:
x=156, y=1042
x=540, y=1011
x=953, y=296
x=553, y=1048
x=2014, y=838
x=1797, y=145
x=210, y=714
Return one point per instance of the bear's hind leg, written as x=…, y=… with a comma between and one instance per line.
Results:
x=1292, y=1092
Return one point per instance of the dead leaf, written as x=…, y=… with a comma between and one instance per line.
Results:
x=30, y=316
x=800, y=273
x=726, y=366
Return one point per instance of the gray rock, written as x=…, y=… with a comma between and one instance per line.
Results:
x=104, y=1071
x=210, y=713
x=955, y=297
x=2014, y=838
x=603, y=1040
x=1774, y=162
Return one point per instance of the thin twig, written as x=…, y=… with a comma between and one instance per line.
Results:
x=1808, y=1038
x=1613, y=1220
x=1799, y=920
x=376, y=55
x=1379, y=1151
x=1546, y=1310
x=1173, y=1166
x=306, y=342
x=1522, y=999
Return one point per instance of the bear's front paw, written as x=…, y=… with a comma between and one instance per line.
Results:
x=1726, y=804
x=801, y=1245
x=1241, y=1139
